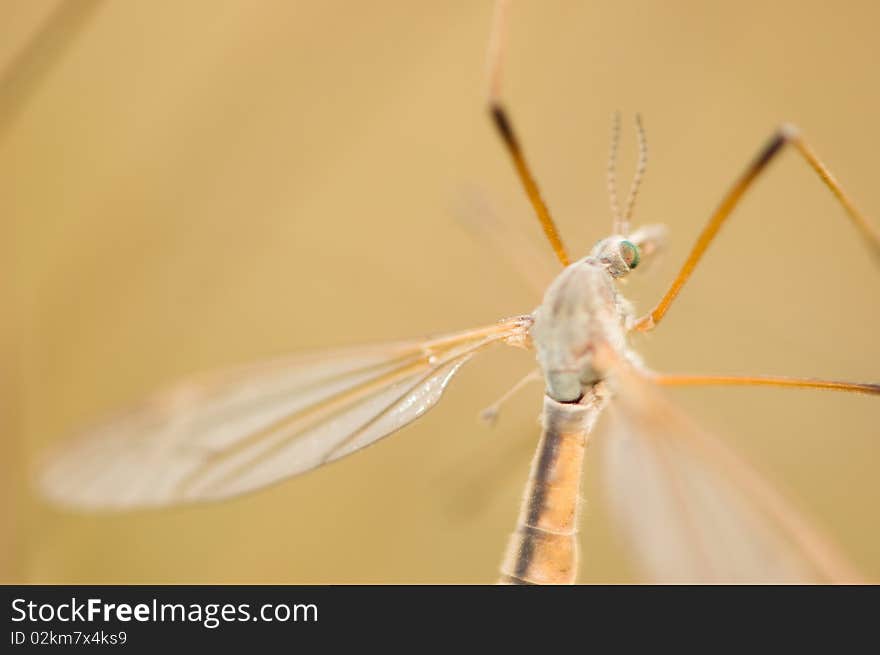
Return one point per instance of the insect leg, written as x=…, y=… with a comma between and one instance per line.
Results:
x=783, y=136
x=675, y=380
x=505, y=129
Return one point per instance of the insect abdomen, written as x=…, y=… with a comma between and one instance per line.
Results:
x=543, y=548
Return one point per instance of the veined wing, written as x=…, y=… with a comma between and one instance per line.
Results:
x=224, y=434
x=693, y=511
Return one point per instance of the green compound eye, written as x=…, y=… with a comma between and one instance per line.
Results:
x=630, y=253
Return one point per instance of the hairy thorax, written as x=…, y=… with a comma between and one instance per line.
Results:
x=581, y=308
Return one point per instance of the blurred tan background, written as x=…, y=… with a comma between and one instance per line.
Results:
x=191, y=185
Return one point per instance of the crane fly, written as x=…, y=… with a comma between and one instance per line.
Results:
x=691, y=509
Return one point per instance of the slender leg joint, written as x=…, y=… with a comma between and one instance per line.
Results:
x=785, y=134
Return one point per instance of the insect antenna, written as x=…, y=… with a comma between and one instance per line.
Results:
x=639, y=174
x=617, y=225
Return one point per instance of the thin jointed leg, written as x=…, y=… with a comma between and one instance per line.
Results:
x=508, y=136
x=674, y=380
x=786, y=134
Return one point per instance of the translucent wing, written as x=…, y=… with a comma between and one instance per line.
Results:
x=693, y=511
x=483, y=221
x=221, y=435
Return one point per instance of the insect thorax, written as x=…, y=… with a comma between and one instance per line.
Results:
x=580, y=308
